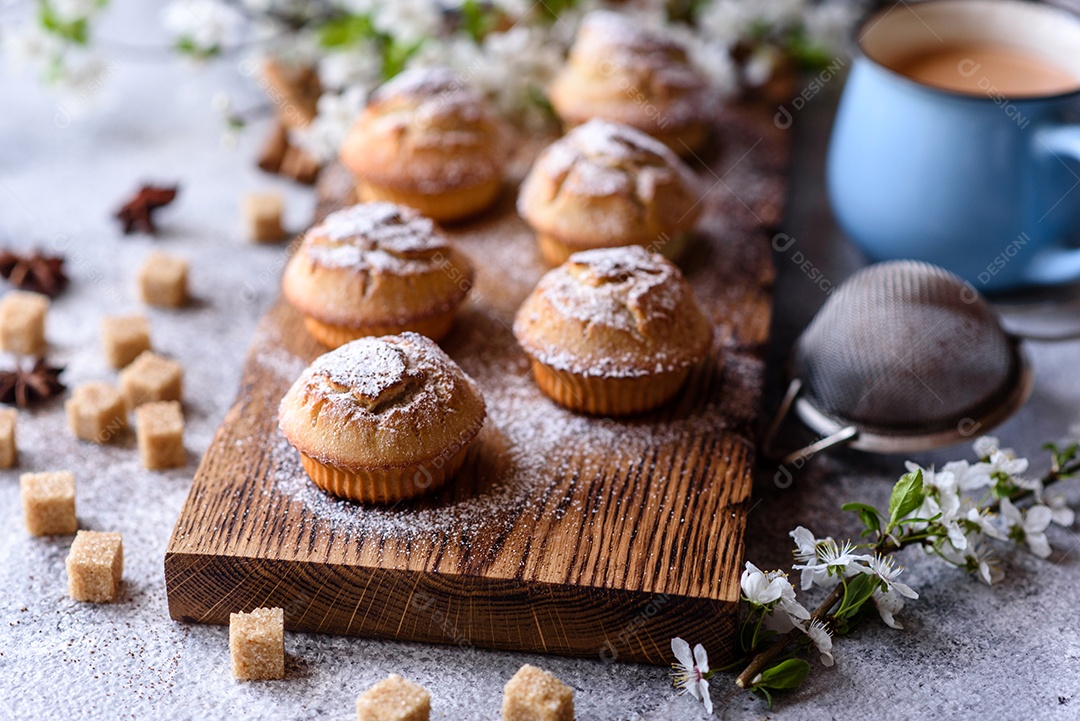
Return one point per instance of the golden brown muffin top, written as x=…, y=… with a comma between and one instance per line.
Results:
x=425, y=131
x=620, y=68
x=375, y=236
x=607, y=184
x=618, y=32
x=614, y=312
x=382, y=402
x=374, y=264
x=434, y=92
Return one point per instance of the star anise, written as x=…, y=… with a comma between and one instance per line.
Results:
x=34, y=271
x=24, y=387
x=137, y=213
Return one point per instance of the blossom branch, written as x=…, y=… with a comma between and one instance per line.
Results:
x=926, y=508
x=746, y=678
x=761, y=660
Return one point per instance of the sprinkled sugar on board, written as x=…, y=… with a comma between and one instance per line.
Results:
x=562, y=533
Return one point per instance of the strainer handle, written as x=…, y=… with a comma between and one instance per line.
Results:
x=798, y=457
x=1057, y=265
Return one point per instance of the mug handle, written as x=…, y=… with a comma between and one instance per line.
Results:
x=1053, y=266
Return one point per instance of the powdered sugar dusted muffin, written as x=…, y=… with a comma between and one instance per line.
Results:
x=376, y=269
x=622, y=70
x=613, y=331
x=382, y=419
x=428, y=141
x=605, y=185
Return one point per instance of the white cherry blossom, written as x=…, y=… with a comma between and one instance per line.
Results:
x=841, y=559
x=1061, y=514
x=888, y=604
x=1028, y=526
x=821, y=637
x=806, y=546
x=690, y=670
x=885, y=568
x=206, y=24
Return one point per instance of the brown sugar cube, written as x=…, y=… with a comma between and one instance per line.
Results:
x=96, y=412
x=262, y=217
x=257, y=644
x=163, y=280
x=49, y=503
x=95, y=565
x=535, y=695
x=8, y=452
x=124, y=338
x=151, y=377
x=22, y=322
x=394, y=699
x=160, y=428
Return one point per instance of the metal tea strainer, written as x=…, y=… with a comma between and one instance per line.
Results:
x=903, y=357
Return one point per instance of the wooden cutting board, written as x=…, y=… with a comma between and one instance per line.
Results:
x=562, y=533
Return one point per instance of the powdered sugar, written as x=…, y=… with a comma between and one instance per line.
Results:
x=380, y=235
x=363, y=377
x=603, y=138
x=364, y=369
x=437, y=92
x=621, y=288
x=601, y=158
x=647, y=59
x=621, y=31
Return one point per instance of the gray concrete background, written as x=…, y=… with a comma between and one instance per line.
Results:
x=1008, y=652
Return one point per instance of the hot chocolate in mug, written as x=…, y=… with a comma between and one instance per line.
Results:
x=957, y=140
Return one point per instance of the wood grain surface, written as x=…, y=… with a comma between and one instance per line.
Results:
x=561, y=534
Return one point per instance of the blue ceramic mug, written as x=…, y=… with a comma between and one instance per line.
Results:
x=983, y=183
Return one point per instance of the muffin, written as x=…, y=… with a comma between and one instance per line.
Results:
x=627, y=72
x=382, y=419
x=376, y=269
x=613, y=331
x=427, y=141
x=605, y=185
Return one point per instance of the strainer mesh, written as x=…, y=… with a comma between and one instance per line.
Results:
x=904, y=347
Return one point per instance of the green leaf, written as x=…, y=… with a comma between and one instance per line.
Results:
x=683, y=11
x=869, y=515
x=907, y=495
x=554, y=8
x=395, y=55
x=759, y=29
x=916, y=519
x=1003, y=486
x=75, y=31
x=870, y=520
x=858, y=507
x=1062, y=457
x=344, y=31
x=784, y=675
x=857, y=591
x=476, y=20
x=186, y=46
x=808, y=54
